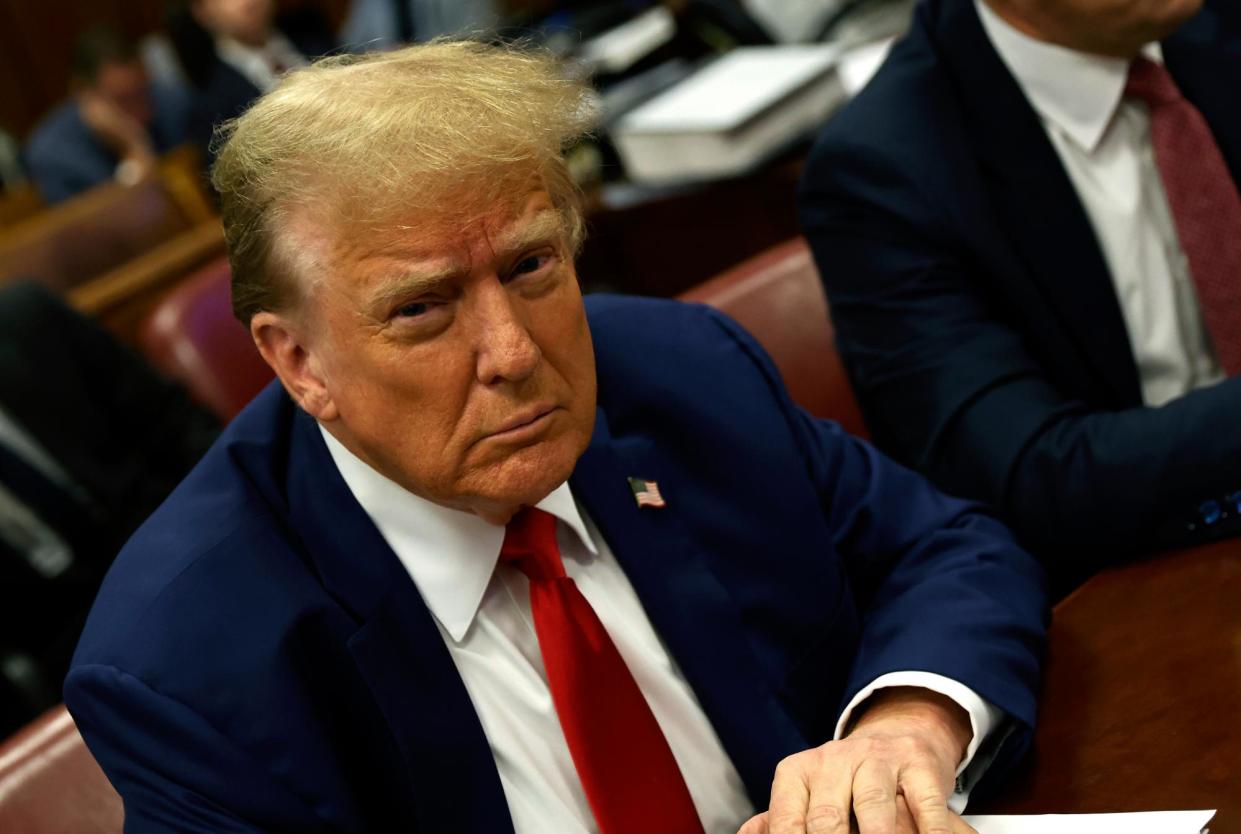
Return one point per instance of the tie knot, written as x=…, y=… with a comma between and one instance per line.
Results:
x=530, y=545
x=1150, y=81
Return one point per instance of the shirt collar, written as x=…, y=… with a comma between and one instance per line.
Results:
x=255, y=62
x=450, y=554
x=1076, y=91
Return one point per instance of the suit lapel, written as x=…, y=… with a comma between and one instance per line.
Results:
x=398, y=648
x=402, y=657
x=689, y=608
x=1034, y=200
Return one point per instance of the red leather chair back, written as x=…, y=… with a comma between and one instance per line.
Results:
x=191, y=336
x=50, y=784
x=777, y=296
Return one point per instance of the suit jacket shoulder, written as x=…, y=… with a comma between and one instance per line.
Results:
x=259, y=615
x=975, y=311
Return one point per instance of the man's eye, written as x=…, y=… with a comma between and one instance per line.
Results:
x=531, y=264
x=414, y=310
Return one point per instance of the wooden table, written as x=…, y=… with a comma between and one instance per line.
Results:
x=1141, y=707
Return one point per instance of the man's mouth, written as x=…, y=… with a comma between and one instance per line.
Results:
x=526, y=423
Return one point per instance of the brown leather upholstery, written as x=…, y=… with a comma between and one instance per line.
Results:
x=777, y=296
x=88, y=235
x=19, y=204
x=122, y=299
x=49, y=784
x=101, y=229
x=192, y=337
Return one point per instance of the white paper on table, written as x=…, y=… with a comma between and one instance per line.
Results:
x=1155, y=822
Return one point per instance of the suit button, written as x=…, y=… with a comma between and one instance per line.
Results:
x=1210, y=512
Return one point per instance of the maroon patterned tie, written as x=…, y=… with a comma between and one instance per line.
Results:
x=631, y=780
x=1204, y=201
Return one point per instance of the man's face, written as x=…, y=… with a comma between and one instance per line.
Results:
x=458, y=362
x=247, y=21
x=1113, y=27
x=125, y=86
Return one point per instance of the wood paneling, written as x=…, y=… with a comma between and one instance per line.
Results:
x=36, y=41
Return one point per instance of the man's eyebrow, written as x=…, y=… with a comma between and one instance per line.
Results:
x=545, y=225
x=410, y=284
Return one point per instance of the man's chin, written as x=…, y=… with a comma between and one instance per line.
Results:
x=527, y=475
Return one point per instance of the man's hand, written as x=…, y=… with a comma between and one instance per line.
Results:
x=893, y=772
x=118, y=131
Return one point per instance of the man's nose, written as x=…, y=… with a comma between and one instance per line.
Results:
x=506, y=351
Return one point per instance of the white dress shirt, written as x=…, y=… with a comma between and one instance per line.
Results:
x=1104, y=142
x=482, y=609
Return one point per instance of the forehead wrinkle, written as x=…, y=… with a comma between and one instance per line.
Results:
x=410, y=283
x=417, y=275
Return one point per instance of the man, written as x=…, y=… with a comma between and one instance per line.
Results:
x=91, y=441
x=385, y=24
x=235, y=50
x=114, y=127
x=493, y=561
x=1029, y=238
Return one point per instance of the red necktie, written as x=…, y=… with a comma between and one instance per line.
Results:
x=1204, y=202
x=631, y=780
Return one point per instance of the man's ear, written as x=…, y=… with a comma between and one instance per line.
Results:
x=279, y=340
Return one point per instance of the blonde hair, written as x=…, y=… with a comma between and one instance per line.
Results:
x=439, y=130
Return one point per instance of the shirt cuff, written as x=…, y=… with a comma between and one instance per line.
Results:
x=984, y=718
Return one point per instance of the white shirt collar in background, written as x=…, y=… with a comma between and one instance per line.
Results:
x=450, y=554
x=1077, y=91
x=255, y=63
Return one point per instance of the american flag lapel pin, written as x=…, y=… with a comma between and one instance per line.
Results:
x=646, y=493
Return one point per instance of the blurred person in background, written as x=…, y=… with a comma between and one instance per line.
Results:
x=232, y=51
x=115, y=125
x=703, y=26
x=383, y=24
x=1029, y=229
x=91, y=441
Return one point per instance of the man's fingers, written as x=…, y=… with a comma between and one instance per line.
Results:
x=874, y=798
x=927, y=801
x=755, y=825
x=960, y=826
x=789, y=796
x=831, y=786
x=904, y=819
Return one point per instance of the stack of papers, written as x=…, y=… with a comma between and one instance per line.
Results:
x=731, y=115
x=616, y=50
x=1157, y=822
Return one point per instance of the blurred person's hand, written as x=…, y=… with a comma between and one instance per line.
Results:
x=120, y=132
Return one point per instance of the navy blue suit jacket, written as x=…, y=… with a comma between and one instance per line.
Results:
x=258, y=659
x=225, y=93
x=976, y=314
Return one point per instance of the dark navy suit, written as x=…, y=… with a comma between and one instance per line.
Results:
x=975, y=311
x=258, y=658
